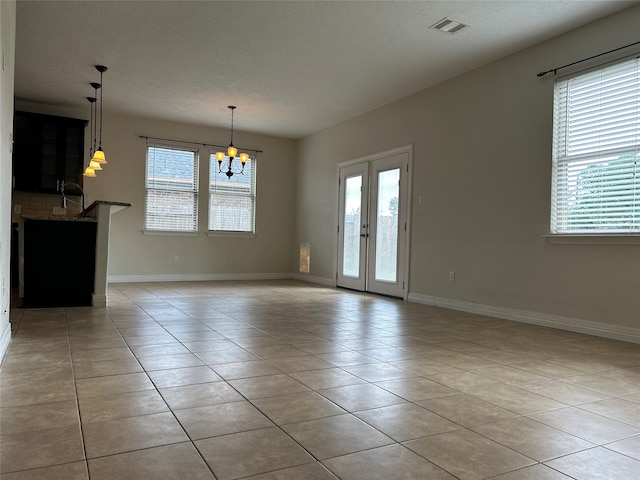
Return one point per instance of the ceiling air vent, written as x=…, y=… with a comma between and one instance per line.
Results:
x=448, y=25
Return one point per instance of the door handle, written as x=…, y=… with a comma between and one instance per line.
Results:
x=364, y=235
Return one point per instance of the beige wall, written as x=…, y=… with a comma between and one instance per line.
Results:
x=7, y=69
x=134, y=254
x=482, y=164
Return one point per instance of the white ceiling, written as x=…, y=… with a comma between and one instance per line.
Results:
x=291, y=67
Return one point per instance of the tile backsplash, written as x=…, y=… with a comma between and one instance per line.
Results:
x=42, y=205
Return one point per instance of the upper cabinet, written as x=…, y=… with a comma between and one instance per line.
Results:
x=47, y=150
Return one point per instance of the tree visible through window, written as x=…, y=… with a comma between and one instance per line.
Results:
x=172, y=189
x=596, y=152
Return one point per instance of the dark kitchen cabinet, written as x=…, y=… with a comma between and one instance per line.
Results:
x=47, y=150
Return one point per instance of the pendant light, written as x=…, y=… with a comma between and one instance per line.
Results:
x=94, y=118
x=98, y=155
x=231, y=153
x=90, y=171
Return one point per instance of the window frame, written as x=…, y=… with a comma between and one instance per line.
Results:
x=194, y=190
x=569, y=148
x=213, y=170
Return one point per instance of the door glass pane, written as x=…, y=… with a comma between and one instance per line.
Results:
x=351, y=227
x=387, y=225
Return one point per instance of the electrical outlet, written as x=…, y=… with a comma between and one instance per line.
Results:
x=17, y=208
x=176, y=259
x=59, y=211
x=452, y=276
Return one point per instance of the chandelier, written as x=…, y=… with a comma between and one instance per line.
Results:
x=231, y=154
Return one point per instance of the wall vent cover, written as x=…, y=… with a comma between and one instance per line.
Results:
x=449, y=25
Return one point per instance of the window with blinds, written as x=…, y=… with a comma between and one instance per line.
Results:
x=596, y=153
x=232, y=200
x=172, y=189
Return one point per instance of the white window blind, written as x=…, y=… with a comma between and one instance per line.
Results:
x=232, y=200
x=596, y=153
x=172, y=189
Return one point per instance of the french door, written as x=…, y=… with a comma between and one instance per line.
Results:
x=372, y=228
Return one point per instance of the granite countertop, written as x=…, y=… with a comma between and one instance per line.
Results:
x=94, y=206
x=107, y=202
x=59, y=218
x=87, y=216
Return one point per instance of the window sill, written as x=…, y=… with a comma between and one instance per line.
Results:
x=214, y=233
x=594, y=239
x=170, y=232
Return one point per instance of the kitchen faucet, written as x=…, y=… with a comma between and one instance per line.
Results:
x=63, y=186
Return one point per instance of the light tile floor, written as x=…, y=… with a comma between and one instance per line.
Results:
x=279, y=380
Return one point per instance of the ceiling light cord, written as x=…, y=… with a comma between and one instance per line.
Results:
x=94, y=117
x=94, y=120
x=232, y=109
x=101, y=69
x=92, y=148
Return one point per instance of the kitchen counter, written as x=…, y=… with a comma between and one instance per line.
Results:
x=66, y=259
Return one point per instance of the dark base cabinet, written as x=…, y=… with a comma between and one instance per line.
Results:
x=59, y=262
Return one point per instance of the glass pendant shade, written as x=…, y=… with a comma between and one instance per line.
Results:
x=99, y=157
x=219, y=156
x=232, y=151
x=244, y=157
x=95, y=165
x=89, y=172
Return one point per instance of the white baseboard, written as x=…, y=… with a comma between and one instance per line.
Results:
x=327, y=282
x=588, y=327
x=98, y=300
x=536, y=318
x=5, y=339
x=204, y=277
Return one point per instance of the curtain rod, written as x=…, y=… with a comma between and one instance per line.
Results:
x=555, y=70
x=198, y=143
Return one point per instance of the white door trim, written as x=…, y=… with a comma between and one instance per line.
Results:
x=369, y=158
